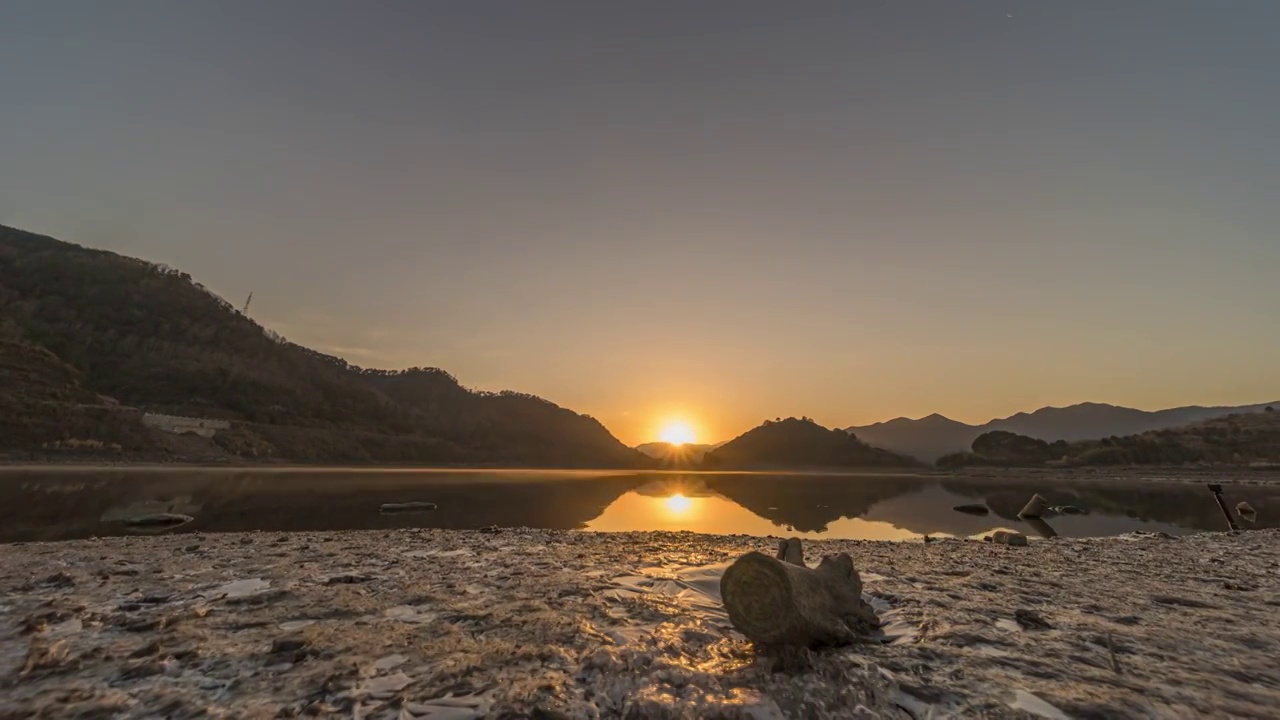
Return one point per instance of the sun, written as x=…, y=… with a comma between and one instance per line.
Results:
x=676, y=432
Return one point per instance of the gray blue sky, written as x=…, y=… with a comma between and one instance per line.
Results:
x=726, y=211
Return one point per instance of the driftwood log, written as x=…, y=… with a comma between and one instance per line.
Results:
x=777, y=601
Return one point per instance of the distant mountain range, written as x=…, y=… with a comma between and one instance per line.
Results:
x=90, y=341
x=929, y=438
x=684, y=455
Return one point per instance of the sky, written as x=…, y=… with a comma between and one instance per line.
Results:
x=717, y=211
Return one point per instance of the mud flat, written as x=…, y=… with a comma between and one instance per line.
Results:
x=523, y=623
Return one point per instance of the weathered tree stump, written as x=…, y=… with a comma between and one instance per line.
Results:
x=778, y=601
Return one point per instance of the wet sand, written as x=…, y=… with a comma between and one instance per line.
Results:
x=530, y=623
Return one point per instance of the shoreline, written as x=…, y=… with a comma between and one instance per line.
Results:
x=462, y=624
x=1152, y=472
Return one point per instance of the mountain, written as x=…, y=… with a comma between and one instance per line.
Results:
x=799, y=443
x=504, y=426
x=931, y=437
x=685, y=455
x=1242, y=439
x=925, y=439
x=90, y=332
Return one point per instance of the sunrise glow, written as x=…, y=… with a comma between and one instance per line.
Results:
x=676, y=432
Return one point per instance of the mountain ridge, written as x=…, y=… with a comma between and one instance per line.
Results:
x=131, y=336
x=933, y=436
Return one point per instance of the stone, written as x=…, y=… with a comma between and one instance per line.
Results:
x=287, y=645
x=142, y=669
x=1008, y=537
x=347, y=579
x=148, y=650
x=58, y=580
x=386, y=685
x=243, y=588
x=1030, y=620
x=390, y=662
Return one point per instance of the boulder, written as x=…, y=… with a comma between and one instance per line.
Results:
x=1008, y=537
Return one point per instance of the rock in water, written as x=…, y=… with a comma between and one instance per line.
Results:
x=157, y=521
x=777, y=603
x=406, y=507
x=973, y=509
x=791, y=551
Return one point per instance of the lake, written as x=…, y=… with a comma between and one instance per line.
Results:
x=60, y=504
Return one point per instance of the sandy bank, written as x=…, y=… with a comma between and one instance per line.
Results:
x=446, y=624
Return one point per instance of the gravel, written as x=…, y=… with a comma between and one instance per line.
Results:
x=530, y=623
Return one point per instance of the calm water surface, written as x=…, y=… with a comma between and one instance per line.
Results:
x=60, y=504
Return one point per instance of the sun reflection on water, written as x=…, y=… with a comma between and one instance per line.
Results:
x=678, y=504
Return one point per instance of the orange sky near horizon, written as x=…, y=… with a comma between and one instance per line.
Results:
x=637, y=212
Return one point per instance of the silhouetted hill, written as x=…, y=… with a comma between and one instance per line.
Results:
x=934, y=436
x=1242, y=439
x=152, y=338
x=505, y=426
x=799, y=443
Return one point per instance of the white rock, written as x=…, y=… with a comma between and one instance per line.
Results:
x=243, y=588
x=386, y=684
x=390, y=662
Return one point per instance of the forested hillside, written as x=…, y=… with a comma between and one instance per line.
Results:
x=152, y=338
x=1243, y=439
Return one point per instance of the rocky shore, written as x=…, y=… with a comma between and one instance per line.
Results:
x=522, y=623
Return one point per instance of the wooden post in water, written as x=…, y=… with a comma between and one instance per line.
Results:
x=1216, y=489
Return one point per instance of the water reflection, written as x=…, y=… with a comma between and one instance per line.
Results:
x=61, y=505
x=678, y=504
x=721, y=516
